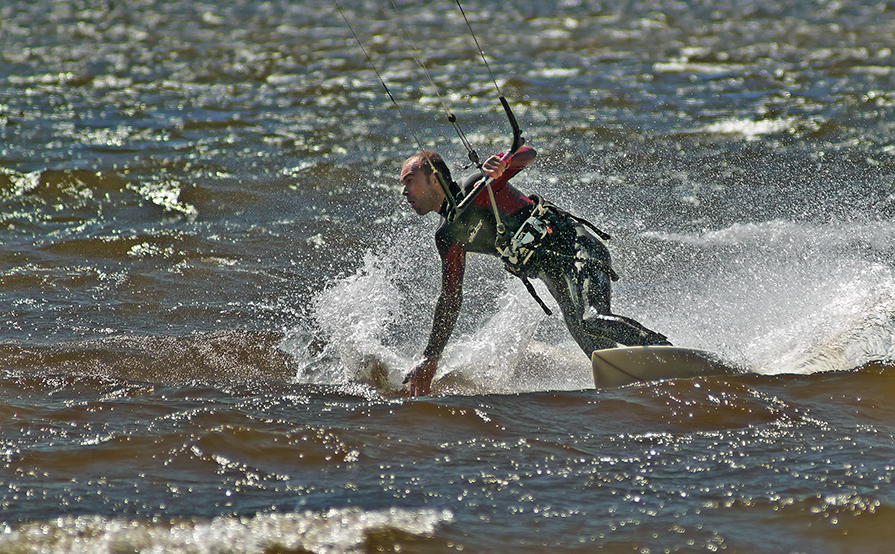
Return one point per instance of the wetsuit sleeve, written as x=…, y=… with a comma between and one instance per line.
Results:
x=518, y=162
x=520, y=159
x=447, y=307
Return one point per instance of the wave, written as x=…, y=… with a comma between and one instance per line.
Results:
x=214, y=356
x=75, y=199
x=341, y=531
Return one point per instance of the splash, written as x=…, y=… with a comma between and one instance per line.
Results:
x=377, y=320
x=773, y=297
x=785, y=297
x=863, y=330
x=357, y=314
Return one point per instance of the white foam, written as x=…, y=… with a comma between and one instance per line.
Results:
x=166, y=194
x=341, y=531
x=686, y=66
x=750, y=128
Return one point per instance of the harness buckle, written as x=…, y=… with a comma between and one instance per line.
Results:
x=523, y=244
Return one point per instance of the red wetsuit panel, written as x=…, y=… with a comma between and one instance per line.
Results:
x=454, y=267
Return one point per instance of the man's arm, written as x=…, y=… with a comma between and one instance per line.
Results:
x=517, y=163
x=447, y=309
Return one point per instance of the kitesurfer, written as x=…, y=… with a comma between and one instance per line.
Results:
x=538, y=241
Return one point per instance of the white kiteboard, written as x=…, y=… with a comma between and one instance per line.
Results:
x=614, y=367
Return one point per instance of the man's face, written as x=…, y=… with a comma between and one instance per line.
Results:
x=421, y=190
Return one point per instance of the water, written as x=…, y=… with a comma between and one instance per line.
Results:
x=204, y=246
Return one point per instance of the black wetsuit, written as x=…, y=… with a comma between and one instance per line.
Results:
x=574, y=264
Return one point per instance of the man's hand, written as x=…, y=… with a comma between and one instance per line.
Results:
x=419, y=380
x=494, y=166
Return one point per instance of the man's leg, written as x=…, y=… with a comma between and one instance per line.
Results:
x=581, y=287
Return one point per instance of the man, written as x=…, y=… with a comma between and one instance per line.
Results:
x=537, y=240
